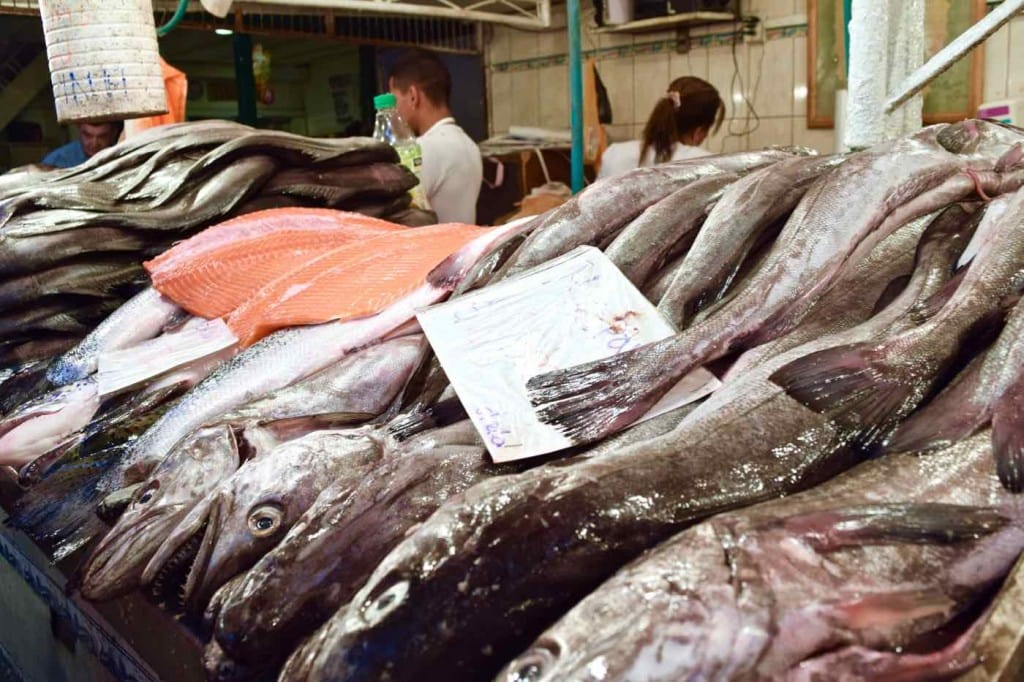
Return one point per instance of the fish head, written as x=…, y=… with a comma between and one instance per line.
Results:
x=248, y=514
x=115, y=566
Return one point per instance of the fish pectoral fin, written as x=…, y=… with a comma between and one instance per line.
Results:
x=1008, y=437
x=854, y=385
x=887, y=609
x=881, y=524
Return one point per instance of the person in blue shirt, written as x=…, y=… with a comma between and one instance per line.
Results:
x=92, y=137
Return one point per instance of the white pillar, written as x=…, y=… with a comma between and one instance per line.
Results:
x=868, y=70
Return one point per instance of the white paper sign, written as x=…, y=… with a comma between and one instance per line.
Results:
x=571, y=310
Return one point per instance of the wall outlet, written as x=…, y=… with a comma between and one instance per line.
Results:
x=753, y=30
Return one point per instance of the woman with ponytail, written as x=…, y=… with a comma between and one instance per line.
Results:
x=680, y=122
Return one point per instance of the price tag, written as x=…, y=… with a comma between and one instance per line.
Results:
x=571, y=310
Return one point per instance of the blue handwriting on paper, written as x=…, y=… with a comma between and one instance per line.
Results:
x=495, y=432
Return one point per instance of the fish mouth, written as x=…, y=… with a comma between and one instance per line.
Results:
x=175, y=576
x=115, y=567
x=169, y=585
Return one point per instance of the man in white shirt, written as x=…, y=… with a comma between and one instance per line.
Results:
x=452, y=169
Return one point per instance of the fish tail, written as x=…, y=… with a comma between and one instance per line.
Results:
x=883, y=524
x=444, y=413
x=596, y=399
x=1008, y=437
x=858, y=386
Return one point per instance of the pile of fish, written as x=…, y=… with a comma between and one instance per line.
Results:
x=316, y=505
x=72, y=241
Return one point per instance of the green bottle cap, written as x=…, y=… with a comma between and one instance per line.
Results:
x=384, y=101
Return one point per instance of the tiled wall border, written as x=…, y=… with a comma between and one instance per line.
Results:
x=638, y=49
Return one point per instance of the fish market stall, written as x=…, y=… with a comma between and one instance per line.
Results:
x=317, y=435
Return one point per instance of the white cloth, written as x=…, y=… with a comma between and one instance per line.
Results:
x=625, y=156
x=451, y=173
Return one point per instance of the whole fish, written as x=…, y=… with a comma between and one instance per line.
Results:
x=609, y=204
x=40, y=347
x=546, y=537
x=55, y=314
x=747, y=208
x=328, y=554
x=293, y=354
x=642, y=245
x=163, y=500
x=245, y=516
x=929, y=255
x=893, y=183
x=140, y=318
x=332, y=186
x=827, y=584
x=359, y=386
x=21, y=255
x=97, y=278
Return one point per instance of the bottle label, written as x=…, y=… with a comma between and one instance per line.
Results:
x=412, y=158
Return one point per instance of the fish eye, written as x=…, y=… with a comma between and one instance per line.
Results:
x=388, y=600
x=149, y=492
x=265, y=520
x=532, y=666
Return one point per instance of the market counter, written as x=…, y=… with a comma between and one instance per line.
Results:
x=50, y=636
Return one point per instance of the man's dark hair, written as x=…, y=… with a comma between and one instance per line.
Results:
x=426, y=71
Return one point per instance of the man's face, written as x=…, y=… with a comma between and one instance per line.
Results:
x=96, y=137
x=406, y=102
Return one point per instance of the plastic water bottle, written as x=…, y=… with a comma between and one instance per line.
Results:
x=390, y=127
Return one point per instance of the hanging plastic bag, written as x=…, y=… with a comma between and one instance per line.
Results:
x=176, y=85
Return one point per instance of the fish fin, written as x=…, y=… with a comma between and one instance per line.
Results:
x=888, y=609
x=593, y=400
x=1008, y=437
x=862, y=663
x=913, y=523
x=889, y=294
x=443, y=413
x=854, y=385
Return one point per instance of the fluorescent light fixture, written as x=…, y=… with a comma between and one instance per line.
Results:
x=223, y=31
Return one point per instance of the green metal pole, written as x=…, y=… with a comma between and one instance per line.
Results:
x=244, y=78
x=575, y=93
x=847, y=13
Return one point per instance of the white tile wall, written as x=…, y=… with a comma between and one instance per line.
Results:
x=774, y=77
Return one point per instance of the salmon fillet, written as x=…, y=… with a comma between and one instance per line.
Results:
x=355, y=280
x=215, y=271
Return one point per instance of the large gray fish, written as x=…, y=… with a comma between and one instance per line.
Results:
x=55, y=314
x=245, y=516
x=746, y=209
x=290, y=355
x=99, y=278
x=930, y=256
x=140, y=318
x=164, y=499
x=27, y=255
x=608, y=205
x=844, y=213
x=329, y=553
x=491, y=569
x=332, y=186
x=827, y=584
x=356, y=388
x=642, y=245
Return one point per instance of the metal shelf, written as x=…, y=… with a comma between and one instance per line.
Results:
x=670, y=21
